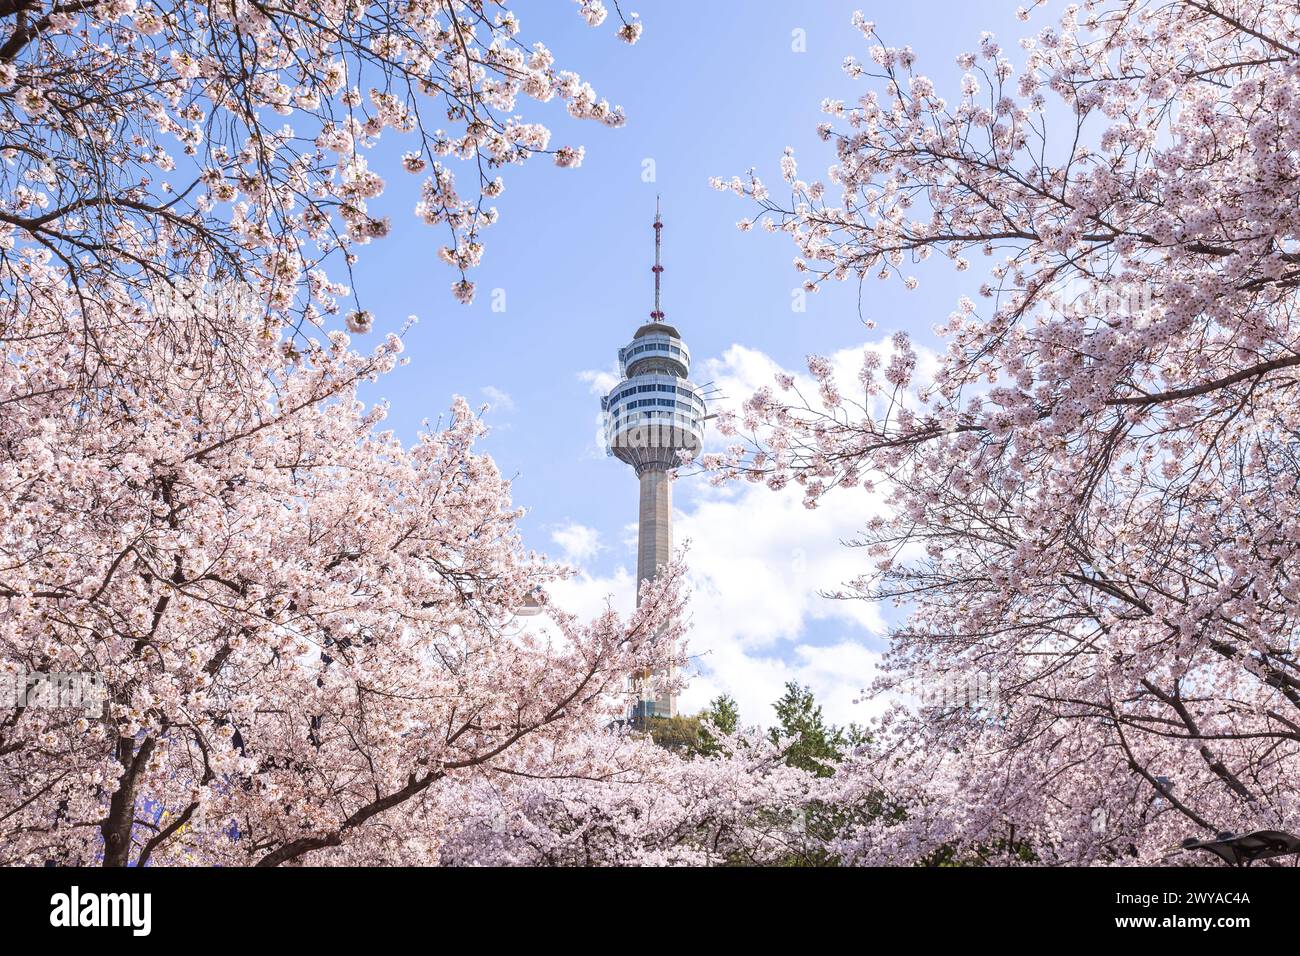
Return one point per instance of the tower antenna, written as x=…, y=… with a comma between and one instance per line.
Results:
x=658, y=268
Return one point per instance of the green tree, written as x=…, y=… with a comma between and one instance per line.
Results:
x=721, y=713
x=682, y=734
x=816, y=746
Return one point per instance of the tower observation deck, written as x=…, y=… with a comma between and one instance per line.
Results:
x=651, y=415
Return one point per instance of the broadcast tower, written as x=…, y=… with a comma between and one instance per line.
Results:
x=650, y=416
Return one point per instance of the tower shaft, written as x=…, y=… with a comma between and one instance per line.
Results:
x=654, y=548
x=655, y=533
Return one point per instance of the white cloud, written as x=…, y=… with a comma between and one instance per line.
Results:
x=599, y=381
x=740, y=371
x=760, y=563
x=499, y=400
x=836, y=674
x=762, y=558
x=587, y=595
x=577, y=542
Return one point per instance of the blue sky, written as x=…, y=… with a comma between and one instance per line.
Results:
x=711, y=89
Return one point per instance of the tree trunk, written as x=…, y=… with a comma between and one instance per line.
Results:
x=116, y=826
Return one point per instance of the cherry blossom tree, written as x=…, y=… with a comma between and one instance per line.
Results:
x=622, y=800
x=306, y=631
x=304, y=628
x=1094, y=517
x=145, y=141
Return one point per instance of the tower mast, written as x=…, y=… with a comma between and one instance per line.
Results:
x=658, y=269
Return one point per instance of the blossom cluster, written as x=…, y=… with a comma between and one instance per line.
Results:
x=148, y=139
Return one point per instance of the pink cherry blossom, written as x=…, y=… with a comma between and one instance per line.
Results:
x=1092, y=501
x=306, y=629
